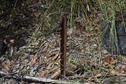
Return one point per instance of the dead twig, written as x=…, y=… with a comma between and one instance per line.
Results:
x=32, y=79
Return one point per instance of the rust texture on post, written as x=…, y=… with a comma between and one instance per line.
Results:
x=63, y=42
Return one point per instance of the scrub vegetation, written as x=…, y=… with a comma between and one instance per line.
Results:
x=95, y=40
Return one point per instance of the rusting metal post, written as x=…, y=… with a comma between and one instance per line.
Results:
x=63, y=42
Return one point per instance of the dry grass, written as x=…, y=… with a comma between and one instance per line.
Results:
x=87, y=60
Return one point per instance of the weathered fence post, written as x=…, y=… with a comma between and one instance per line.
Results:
x=63, y=41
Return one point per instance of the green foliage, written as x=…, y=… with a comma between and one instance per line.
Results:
x=112, y=11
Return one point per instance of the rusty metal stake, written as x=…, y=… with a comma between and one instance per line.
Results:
x=63, y=41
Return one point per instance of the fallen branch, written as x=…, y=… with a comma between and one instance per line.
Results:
x=32, y=79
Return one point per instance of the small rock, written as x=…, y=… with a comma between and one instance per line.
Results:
x=114, y=39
